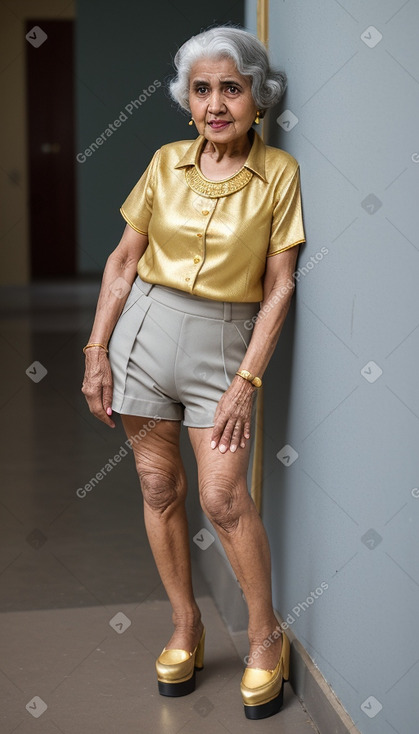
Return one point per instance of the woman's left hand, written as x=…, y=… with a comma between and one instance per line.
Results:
x=233, y=416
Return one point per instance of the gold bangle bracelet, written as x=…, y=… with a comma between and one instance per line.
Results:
x=95, y=344
x=255, y=381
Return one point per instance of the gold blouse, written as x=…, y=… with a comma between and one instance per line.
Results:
x=212, y=238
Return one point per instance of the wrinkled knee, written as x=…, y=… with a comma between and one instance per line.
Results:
x=221, y=503
x=159, y=489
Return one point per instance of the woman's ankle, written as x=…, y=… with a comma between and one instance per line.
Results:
x=268, y=631
x=264, y=649
x=190, y=619
x=187, y=633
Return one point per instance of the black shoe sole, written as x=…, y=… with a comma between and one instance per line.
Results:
x=178, y=689
x=263, y=710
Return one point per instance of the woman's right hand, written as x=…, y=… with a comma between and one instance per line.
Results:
x=97, y=384
x=121, y=266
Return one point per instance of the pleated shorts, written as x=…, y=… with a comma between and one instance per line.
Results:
x=173, y=355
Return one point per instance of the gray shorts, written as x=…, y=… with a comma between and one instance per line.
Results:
x=173, y=355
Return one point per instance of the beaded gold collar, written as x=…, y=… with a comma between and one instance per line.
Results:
x=214, y=189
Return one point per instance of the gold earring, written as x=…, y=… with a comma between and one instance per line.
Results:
x=257, y=118
x=190, y=121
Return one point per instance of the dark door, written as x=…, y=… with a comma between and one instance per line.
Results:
x=50, y=105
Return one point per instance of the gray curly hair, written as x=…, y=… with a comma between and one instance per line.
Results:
x=247, y=52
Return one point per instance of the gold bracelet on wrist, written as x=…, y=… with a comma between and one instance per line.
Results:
x=95, y=344
x=256, y=381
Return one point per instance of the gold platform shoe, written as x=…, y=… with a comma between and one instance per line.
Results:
x=176, y=669
x=263, y=690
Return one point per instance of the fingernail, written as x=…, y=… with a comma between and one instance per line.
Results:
x=223, y=448
x=233, y=448
x=213, y=444
x=109, y=411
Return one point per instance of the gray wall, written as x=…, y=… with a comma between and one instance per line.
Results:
x=346, y=511
x=122, y=48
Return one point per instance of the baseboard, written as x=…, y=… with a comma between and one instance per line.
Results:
x=306, y=679
x=312, y=689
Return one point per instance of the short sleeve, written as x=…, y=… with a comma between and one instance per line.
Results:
x=138, y=206
x=287, y=227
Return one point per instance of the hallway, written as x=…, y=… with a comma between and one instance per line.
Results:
x=83, y=612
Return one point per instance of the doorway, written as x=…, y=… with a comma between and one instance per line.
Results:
x=51, y=147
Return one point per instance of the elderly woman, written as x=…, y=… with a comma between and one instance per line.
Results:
x=211, y=240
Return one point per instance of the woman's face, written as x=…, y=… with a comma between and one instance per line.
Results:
x=220, y=99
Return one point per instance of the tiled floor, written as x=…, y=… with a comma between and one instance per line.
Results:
x=83, y=612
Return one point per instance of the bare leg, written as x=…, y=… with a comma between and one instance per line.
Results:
x=226, y=501
x=163, y=483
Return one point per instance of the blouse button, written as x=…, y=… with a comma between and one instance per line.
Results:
x=196, y=259
x=187, y=278
x=205, y=211
x=199, y=234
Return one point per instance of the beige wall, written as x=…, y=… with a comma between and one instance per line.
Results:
x=14, y=232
